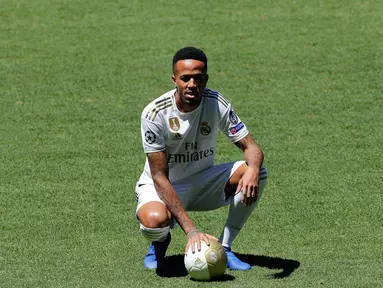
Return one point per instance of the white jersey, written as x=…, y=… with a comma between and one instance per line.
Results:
x=189, y=139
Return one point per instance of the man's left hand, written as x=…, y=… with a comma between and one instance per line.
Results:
x=248, y=186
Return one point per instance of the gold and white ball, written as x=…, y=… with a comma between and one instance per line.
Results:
x=207, y=264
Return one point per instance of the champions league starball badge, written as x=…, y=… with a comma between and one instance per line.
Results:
x=150, y=137
x=205, y=129
x=233, y=117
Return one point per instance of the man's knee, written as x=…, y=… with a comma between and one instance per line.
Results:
x=155, y=221
x=232, y=183
x=237, y=175
x=154, y=215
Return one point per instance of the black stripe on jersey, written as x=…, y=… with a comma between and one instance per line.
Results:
x=162, y=100
x=158, y=109
x=217, y=98
x=263, y=174
x=157, y=106
x=154, y=109
x=215, y=95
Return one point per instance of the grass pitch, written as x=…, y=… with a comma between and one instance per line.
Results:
x=306, y=78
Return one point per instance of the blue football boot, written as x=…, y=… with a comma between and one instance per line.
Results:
x=233, y=263
x=156, y=253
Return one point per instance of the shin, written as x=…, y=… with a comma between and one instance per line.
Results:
x=238, y=215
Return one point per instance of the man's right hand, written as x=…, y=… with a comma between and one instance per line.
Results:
x=195, y=237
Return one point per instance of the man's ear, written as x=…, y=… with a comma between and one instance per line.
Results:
x=207, y=78
x=174, y=79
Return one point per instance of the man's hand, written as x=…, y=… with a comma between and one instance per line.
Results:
x=249, y=182
x=195, y=237
x=248, y=186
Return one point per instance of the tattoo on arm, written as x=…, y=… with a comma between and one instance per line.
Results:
x=160, y=174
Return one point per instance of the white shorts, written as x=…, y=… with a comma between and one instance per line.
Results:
x=202, y=191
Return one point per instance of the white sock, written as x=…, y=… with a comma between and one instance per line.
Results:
x=238, y=215
x=155, y=234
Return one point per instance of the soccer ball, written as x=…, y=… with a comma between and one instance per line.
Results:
x=207, y=264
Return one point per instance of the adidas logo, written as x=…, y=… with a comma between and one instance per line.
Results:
x=198, y=261
x=177, y=136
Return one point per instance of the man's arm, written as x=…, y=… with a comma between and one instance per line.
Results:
x=249, y=182
x=160, y=174
x=252, y=152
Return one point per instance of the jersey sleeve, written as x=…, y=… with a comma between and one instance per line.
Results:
x=152, y=134
x=231, y=125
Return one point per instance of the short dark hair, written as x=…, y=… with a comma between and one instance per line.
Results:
x=190, y=53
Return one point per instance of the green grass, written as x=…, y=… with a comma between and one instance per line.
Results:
x=306, y=78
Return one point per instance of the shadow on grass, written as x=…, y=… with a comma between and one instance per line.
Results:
x=173, y=266
x=288, y=266
x=224, y=278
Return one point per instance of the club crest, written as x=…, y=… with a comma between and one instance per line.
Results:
x=174, y=124
x=205, y=129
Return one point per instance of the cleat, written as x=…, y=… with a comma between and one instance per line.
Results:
x=233, y=263
x=156, y=253
x=150, y=261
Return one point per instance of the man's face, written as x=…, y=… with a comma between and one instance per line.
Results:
x=190, y=78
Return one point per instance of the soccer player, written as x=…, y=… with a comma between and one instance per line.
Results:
x=179, y=134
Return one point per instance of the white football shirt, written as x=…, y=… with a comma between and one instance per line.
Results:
x=189, y=139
